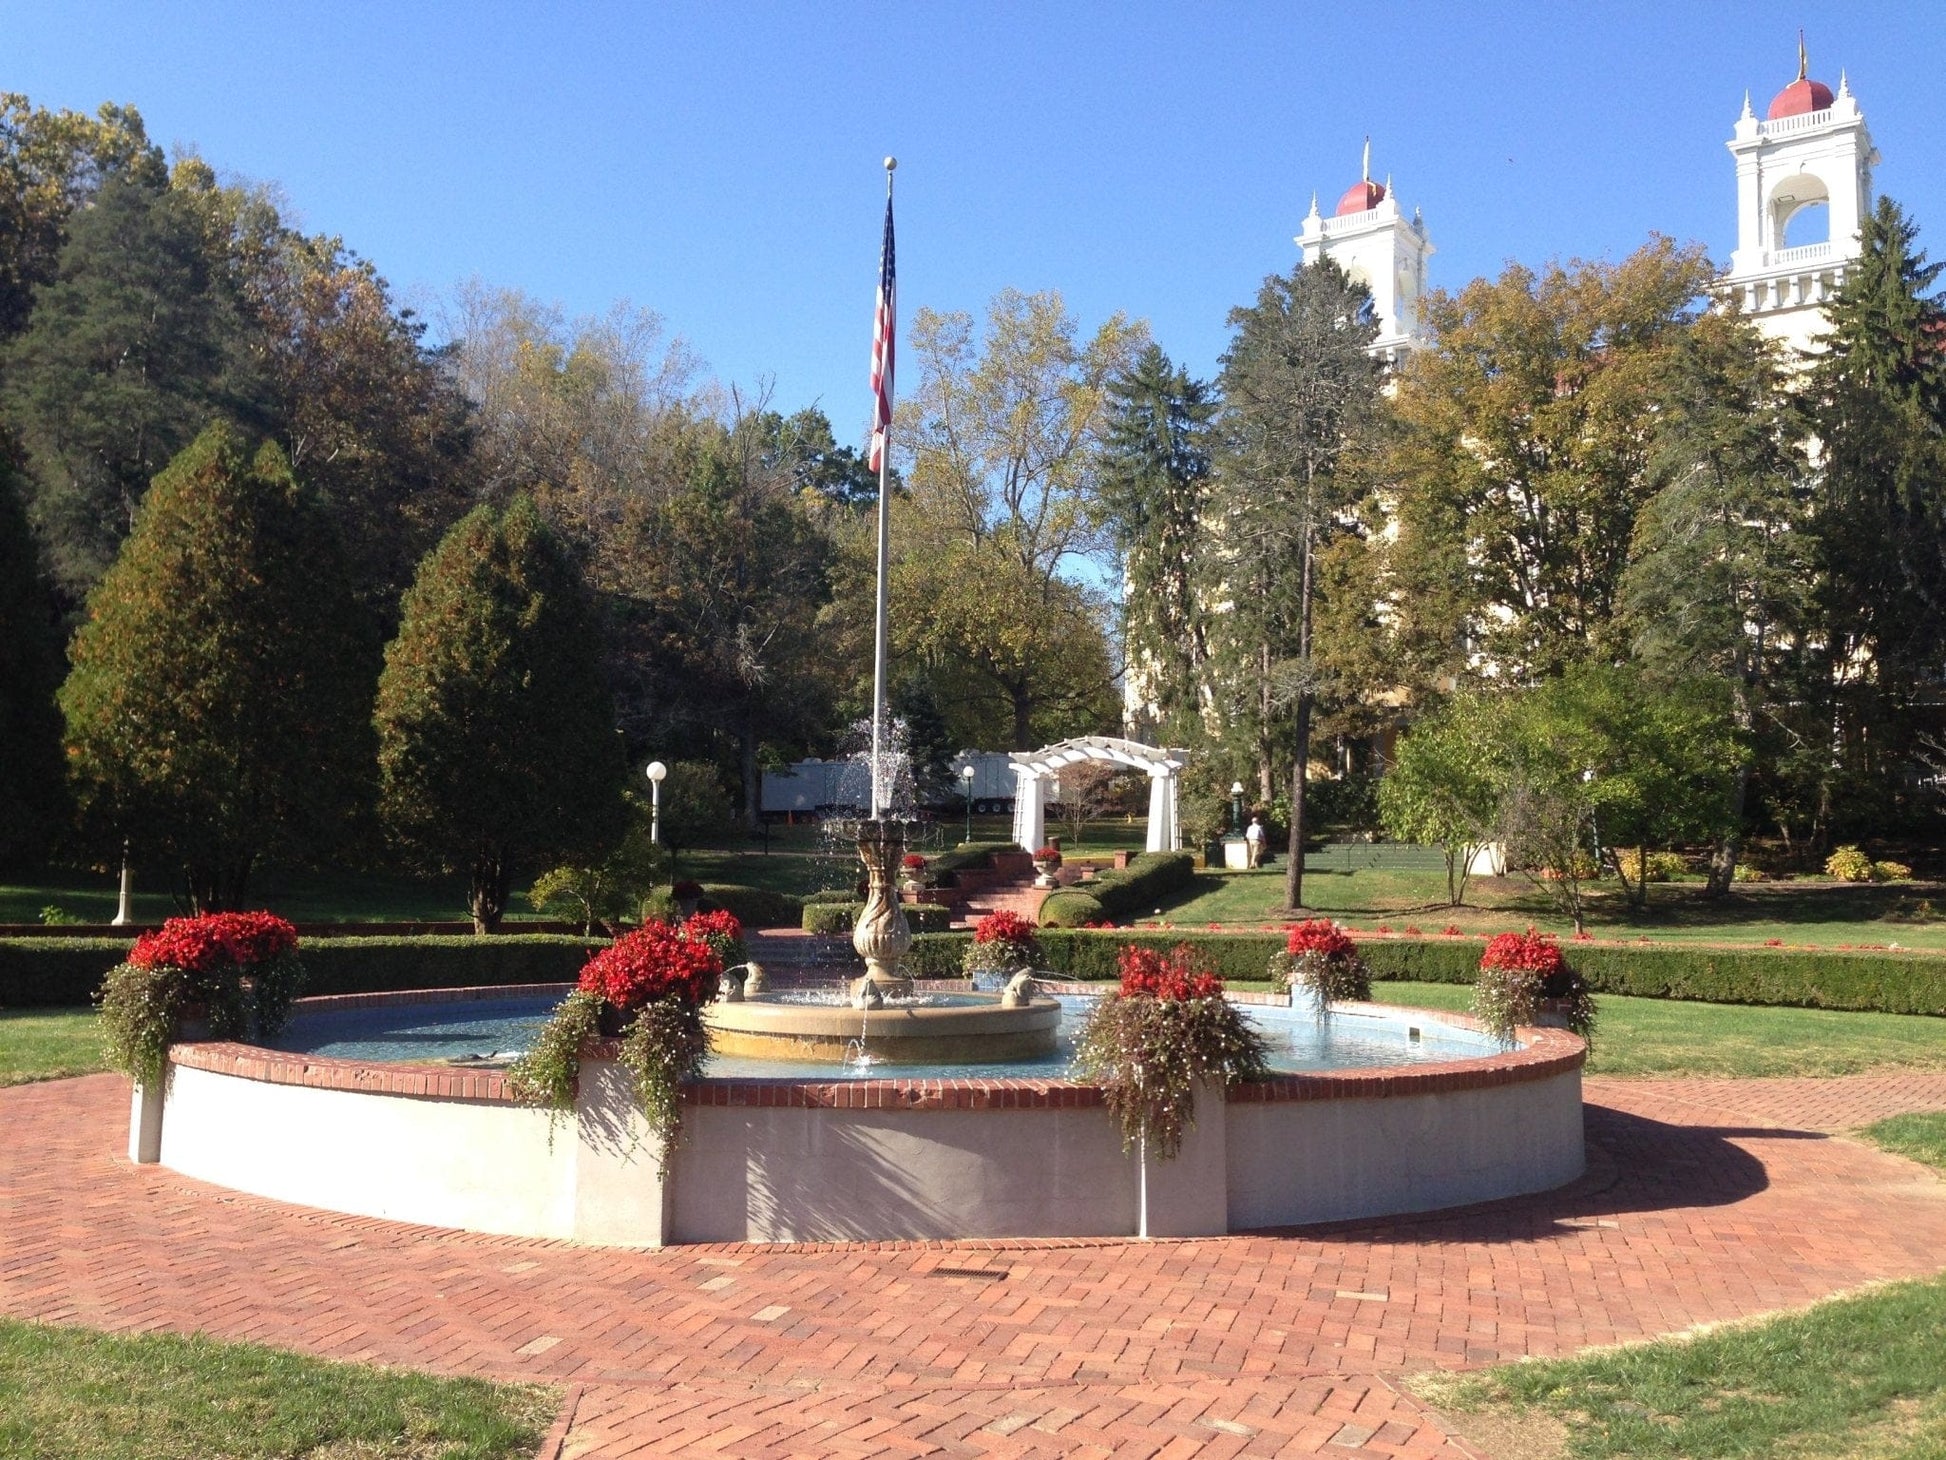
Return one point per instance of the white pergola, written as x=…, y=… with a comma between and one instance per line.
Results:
x=1033, y=772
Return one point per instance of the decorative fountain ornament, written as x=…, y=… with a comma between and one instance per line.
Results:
x=882, y=937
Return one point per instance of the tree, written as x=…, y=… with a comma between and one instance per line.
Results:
x=51, y=164
x=1155, y=489
x=218, y=708
x=1086, y=792
x=1603, y=758
x=1299, y=386
x=1722, y=578
x=31, y=799
x=132, y=349
x=1877, y=404
x=1521, y=458
x=497, y=740
x=1445, y=783
x=694, y=808
x=1002, y=512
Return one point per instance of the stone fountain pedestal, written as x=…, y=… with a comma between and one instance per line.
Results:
x=882, y=936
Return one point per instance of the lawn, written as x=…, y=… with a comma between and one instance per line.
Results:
x=303, y=897
x=1342, y=883
x=1666, y=1037
x=1858, y=1378
x=71, y=1394
x=47, y=1044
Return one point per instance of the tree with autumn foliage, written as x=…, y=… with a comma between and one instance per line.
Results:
x=497, y=746
x=218, y=708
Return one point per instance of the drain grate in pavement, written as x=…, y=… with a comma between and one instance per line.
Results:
x=983, y=1274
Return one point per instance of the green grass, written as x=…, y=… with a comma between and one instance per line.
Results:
x=1803, y=913
x=1858, y=1378
x=48, y=1044
x=70, y=1394
x=1920, y=1136
x=309, y=897
x=1665, y=1037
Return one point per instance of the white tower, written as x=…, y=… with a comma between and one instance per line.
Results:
x=1804, y=186
x=1373, y=242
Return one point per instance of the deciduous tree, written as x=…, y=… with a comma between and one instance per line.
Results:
x=31, y=787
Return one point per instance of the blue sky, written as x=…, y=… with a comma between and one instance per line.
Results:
x=719, y=163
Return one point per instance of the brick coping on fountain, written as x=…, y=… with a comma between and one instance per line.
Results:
x=1541, y=1054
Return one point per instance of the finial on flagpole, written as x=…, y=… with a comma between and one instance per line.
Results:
x=1803, y=58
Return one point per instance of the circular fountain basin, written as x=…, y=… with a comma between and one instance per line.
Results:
x=931, y=1029
x=1425, y=1113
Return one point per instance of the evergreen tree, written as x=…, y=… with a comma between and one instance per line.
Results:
x=31, y=802
x=129, y=352
x=1878, y=407
x=498, y=750
x=1721, y=579
x=1299, y=385
x=1154, y=490
x=218, y=708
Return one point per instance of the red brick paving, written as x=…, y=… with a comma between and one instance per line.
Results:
x=1705, y=1200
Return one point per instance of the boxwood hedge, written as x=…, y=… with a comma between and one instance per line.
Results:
x=1887, y=983
x=52, y=972
x=842, y=917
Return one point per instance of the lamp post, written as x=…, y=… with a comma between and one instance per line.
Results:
x=1236, y=806
x=966, y=774
x=124, y=912
x=657, y=770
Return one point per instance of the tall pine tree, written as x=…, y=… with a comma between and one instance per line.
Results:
x=498, y=751
x=219, y=704
x=1878, y=407
x=1155, y=486
x=31, y=801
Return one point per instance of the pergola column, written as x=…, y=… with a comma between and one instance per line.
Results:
x=1165, y=833
x=1030, y=814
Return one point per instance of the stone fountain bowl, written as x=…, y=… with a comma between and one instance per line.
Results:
x=946, y=1029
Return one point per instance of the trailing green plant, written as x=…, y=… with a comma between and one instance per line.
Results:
x=1166, y=1030
x=1521, y=974
x=1318, y=956
x=56, y=916
x=649, y=985
x=238, y=971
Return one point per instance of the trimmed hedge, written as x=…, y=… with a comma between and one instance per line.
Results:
x=1885, y=983
x=755, y=907
x=52, y=973
x=1132, y=891
x=969, y=854
x=1071, y=907
x=833, y=917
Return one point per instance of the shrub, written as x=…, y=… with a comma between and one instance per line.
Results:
x=719, y=929
x=842, y=917
x=1147, y=881
x=1891, y=872
x=1848, y=864
x=1165, y=1030
x=240, y=969
x=755, y=907
x=1518, y=973
x=970, y=855
x=1662, y=866
x=1070, y=908
x=831, y=896
x=56, y=916
x=1317, y=955
x=1002, y=942
x=1744, y=872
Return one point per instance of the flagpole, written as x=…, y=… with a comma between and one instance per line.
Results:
x=881, y=793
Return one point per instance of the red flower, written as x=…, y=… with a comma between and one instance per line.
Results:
x=1172, y=975
x=1451, y=930
x=1003, y=927
x=202, y=944
x=913, y=862
x=1320, y=935
x=719, y=929
x=654, y=962
x=1049, y=854
x=1527, y=952
x=1773, y=942
x=1410, y=931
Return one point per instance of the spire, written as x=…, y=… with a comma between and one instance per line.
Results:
x=1844, y=83
x=1366, y=171
x=1803, y=59
x=1314, y=203
x=1748, y=115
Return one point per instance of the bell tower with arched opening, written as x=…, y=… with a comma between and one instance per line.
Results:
x=1804, y=186
x=1371, y=240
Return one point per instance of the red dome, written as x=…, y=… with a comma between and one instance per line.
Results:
x=1361, y=197
x=1801, y=97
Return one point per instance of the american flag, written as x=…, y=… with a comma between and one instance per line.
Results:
x=884, y=335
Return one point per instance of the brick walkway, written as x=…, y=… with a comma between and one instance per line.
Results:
x=1705, y=1201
